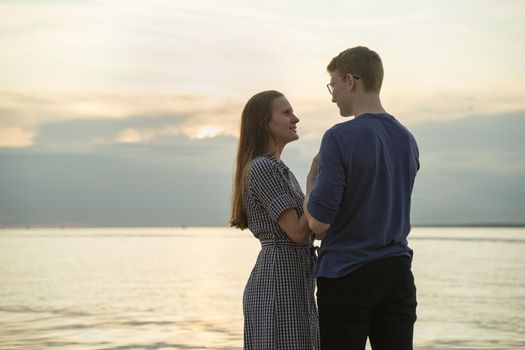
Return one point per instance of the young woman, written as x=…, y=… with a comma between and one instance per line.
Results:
x=278, y=303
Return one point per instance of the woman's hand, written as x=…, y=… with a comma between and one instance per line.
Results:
x=312, y=175
x=318, y=227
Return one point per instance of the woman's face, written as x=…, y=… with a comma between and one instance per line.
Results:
x=283, y=123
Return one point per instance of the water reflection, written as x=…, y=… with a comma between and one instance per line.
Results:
x=182, y=289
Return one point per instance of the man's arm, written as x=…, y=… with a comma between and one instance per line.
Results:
x=318, y=227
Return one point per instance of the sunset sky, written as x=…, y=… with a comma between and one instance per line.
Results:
x=126, y=112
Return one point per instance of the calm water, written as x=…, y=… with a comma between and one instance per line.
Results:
x=182, y=288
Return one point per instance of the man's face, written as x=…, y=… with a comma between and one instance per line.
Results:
x=341, y=93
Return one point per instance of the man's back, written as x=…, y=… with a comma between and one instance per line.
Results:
x=369, y=165
x=360, y=208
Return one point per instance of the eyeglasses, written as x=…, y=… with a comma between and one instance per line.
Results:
x=330, y=87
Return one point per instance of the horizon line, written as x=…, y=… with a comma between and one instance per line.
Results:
x=427, y=225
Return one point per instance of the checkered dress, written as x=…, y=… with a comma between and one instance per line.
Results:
x=278, y=304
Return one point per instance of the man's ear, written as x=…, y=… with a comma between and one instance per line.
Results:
x=350, y=80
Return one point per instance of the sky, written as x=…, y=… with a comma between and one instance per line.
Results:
x=126, y=112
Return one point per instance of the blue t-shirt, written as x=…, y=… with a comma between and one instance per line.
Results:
x=367, y=168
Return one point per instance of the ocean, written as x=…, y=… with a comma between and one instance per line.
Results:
x=175, y=288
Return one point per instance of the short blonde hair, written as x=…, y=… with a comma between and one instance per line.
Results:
x=362, y=62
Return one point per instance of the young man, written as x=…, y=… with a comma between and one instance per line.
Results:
x=359, y=205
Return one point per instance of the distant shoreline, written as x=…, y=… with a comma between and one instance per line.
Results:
x=28, y=227
x=471, y=225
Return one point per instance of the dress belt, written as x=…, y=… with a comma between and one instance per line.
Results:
x=289, y=244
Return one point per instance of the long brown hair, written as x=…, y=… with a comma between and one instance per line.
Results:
x=253, y=142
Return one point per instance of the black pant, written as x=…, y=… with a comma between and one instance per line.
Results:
x=378, y=300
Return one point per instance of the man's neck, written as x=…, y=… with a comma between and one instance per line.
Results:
x=368, y=103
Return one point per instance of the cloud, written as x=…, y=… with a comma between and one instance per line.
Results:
x=78, y=60
x=132, y=136
x=15, y=137
x=186, y=182
x=28, y=118
x=114, y=118
x=472, y=171
x=423, y=107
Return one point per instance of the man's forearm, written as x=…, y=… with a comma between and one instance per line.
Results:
x=319, y=228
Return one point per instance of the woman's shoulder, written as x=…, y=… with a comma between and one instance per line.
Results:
x=263, y=160
x=262, y=165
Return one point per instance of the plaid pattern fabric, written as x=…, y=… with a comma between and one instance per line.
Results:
x=278, y=303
